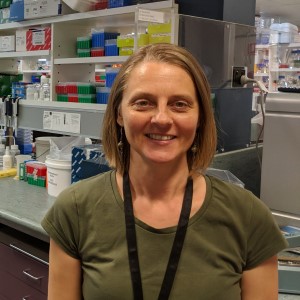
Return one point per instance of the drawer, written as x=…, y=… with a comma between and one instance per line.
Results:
x=23, y=267
x=4, y=262
x=12, y=289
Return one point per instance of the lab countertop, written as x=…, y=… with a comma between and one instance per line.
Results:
x=23, y=206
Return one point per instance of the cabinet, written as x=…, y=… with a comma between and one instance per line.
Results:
x=23, y=266
x=64, y=64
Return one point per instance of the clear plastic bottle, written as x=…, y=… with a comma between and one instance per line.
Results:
x=37, y=87
x=7, y=159
x=45, y=89
x=30, y=90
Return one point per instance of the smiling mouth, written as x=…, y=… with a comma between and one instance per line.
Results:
x=159, y=137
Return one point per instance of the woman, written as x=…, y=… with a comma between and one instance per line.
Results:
x=156, y=227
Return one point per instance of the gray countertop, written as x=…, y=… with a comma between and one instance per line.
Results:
x=23, y=206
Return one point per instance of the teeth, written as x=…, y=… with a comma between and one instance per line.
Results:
x=160, y=137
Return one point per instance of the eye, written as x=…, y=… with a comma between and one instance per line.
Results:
x=181, y=105
x=142, y=104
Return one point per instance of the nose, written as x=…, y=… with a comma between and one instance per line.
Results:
x=162, y=116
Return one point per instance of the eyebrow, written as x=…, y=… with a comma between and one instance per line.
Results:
x=150, y=96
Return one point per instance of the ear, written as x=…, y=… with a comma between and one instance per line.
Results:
x=120, y=117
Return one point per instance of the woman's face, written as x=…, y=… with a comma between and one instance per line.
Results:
x=159, y=112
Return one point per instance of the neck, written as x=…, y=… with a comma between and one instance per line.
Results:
x=157, y=182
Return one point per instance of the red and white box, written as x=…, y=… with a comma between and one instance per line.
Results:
x=38, y=39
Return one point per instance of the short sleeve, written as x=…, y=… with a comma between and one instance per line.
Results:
x=264, y=238
x=62, y=224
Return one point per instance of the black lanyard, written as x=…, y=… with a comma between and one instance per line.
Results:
x=176, y=248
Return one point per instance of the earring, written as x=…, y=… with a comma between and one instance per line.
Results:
x=120, y=143
x=194, y=148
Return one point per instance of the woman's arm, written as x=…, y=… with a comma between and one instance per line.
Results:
x=64, y=275
x=261, y=283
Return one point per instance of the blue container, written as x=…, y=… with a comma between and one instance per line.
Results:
x=119, y=3
x=111, y=50
x=99, y=38
x=17, y=11
x=25, y=148
x=110, y=75
x=102, y=95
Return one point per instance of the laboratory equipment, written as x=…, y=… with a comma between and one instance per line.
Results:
x=226, y=46
x=280, y=188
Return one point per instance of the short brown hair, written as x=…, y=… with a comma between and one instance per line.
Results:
x=205, y=138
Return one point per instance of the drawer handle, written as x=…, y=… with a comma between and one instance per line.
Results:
x=28, y=254
x=25, y=297
x=26, y=273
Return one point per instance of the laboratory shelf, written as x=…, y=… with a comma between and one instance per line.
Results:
x=91, y=60
x=285, y=70
x=261, y=74
x=31, y=116
x=24, y=54
x=117, y=12
x=36, y=71
x=65, y=66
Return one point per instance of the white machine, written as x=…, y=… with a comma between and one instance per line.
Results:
x=280, y=178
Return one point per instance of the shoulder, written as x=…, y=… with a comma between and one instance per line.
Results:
x=229, y=192
x=248, y=217
x=237, y=201
x=88, y=186
x=88, y=189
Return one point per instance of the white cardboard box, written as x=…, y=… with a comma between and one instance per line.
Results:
x=44, y=8
x=21, y=40
x=7, y=43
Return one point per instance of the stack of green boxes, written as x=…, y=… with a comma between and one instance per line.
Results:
x=83, y=46
x=86, y=92
x=82, y=92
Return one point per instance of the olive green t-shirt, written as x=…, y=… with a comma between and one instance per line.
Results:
x=233, y=231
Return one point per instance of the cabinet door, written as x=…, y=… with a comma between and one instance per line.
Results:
x=30, y=271
x=12, y=289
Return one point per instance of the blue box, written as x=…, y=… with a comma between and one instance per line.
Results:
x=17, y=11
x=99, y=38
x=119, y=3
x=25, y=148
x=87, y=153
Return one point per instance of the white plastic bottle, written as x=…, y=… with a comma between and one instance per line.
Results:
x=2, y=152
x=7, y=159
x=14, y=150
